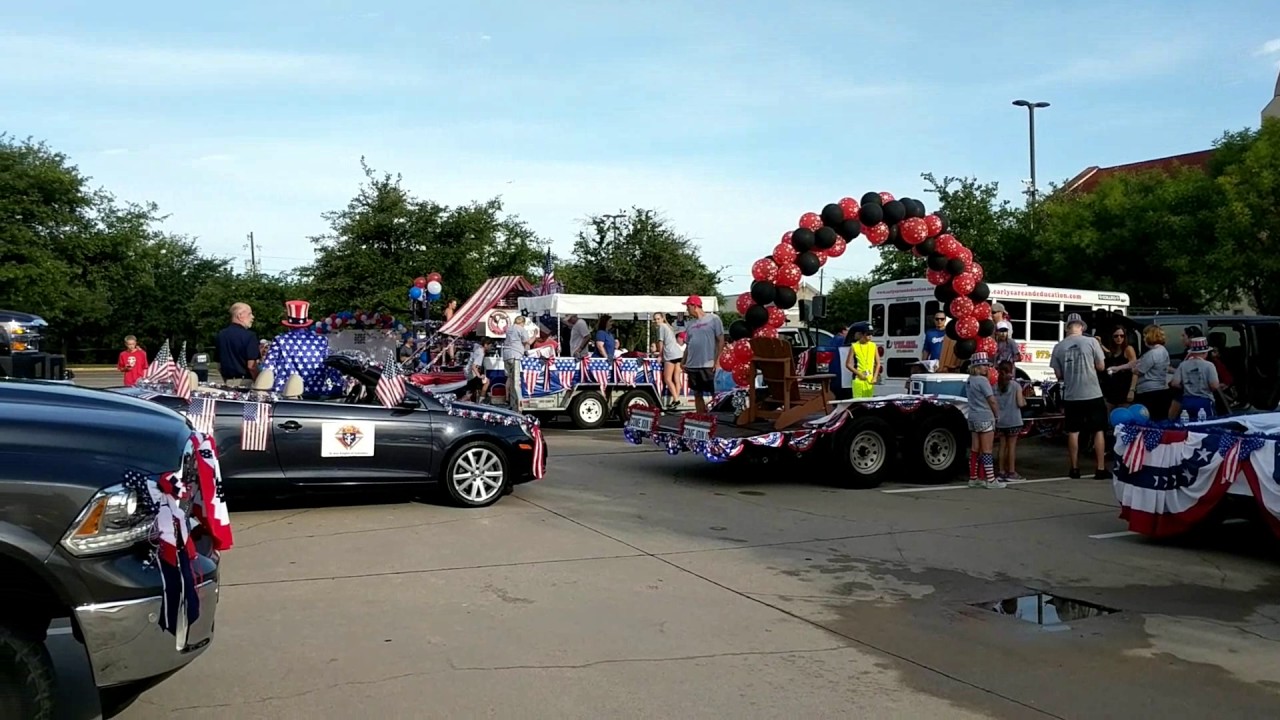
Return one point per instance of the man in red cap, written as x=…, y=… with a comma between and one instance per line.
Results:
x=302, y=351
x=704, y=341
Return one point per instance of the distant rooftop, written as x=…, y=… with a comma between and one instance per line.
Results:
x=1089, y=178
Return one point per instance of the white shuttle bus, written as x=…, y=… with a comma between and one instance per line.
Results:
x=902, y=311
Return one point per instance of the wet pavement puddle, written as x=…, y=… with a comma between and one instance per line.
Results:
x=1048, y=611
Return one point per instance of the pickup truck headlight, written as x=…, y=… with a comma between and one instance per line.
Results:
x=113, y=520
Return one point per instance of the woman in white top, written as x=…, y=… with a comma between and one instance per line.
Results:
x=671, y=352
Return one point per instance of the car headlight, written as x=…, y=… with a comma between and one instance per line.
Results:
x=113, y=520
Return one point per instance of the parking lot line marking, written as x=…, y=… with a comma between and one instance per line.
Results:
x=1108, y=536
x=935, y=488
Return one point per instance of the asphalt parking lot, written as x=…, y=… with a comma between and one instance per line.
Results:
x=629, y=584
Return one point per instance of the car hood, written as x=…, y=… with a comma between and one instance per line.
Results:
x=7, y=316
x=55, y=420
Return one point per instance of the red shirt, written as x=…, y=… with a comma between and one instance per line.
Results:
x=132, y=374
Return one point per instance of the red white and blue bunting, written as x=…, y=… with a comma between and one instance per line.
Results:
x=528, y=422
x=1169, y=477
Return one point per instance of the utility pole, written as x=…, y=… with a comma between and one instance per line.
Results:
x=253, y=256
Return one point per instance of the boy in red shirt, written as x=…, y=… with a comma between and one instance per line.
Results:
x=133, y=361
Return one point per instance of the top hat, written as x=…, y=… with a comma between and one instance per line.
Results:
x=296, y=314
x=1197, y=346
x=979, y=359
x=1075, y=319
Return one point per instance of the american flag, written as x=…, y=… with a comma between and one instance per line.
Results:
x=181, y=378
x=202, y=412
x=626, y=370
x=390, y=388
x=549, y=285
x=162, y=369
x=1140, y=441
x=539, y=453
x=802, y=362
x=255, y=426
x=565, y=369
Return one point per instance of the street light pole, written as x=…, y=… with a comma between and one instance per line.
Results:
x=1031, y=127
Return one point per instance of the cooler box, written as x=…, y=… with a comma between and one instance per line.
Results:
x=956, y=384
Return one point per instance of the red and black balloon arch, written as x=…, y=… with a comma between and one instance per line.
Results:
x=903, y=223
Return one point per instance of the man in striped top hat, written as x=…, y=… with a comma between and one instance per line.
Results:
x=302, y=351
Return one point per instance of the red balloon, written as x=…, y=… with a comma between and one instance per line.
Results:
x=420, y=282
x=822, y=257
x=965, y=254
x=964, y=284
x=994, y=376
x=877, y=234
x=764, y=269
x=742, y=376
x=850, y=208
x=810, y=221
x=948, y=245
x=961, y=307
x=777, y=317
x=913, y=230
x=838, y=249
x=936, y=277
x=976, y=271
x=766, y=332
x=742, y=352
x=982, y=311
x=784, y=253
x=967, y=328
x=727, y=361
x=433, y=277
x=933, y=224
x=886, y=198
x=987, y=345
x=744, y=303
x=789, y=276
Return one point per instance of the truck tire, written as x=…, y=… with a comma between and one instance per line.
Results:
x=26, y=678
x=588, y=410
x=937, y=448
x=865, y=452
x=631, y=399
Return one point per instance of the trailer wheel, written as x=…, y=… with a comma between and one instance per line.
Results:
x=632, y=399
x=588, y=410
x=864, y=451
x=937, y=448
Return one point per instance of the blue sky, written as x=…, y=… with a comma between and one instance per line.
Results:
x=733, y=118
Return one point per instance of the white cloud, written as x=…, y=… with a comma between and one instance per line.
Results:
x=1270, y=47
x=44, y=60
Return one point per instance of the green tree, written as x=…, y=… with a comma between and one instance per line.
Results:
x=636, y=253
x=386, y=237
x=1245, y=256
x=847, y=302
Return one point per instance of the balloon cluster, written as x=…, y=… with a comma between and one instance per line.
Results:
x=426, y=288
x=359, y=320
x=883, y=220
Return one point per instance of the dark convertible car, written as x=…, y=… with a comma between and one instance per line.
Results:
x=476, y=453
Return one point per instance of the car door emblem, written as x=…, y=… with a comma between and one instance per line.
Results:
x=348, y=436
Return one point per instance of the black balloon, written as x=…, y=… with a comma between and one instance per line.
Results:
x=894, y=212
x=966, y=348
x=849, y=229
x=871, y=198
x=896, y=240
x=980, y=293
x=918, y=210
x=946, y=220
x=738, y=330
x=944, y=293
x=808, y=263
x=871, y=213
x=802, y=239
x=785, y=298
x=756, y=316
x=832, y=214
x=927, y=247
x=763, y=291
x=937, y=261
x=951, y=329
x=955, y=266
x=825, y=237
x=986, y=328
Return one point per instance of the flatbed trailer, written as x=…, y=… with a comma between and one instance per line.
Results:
x=864, y=442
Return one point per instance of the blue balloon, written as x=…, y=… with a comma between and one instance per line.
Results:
x=1140, y=413
x=415, y=293
x=1121, y=416
x=433, y=298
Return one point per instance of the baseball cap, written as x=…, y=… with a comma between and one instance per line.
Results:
x=997, y=307
x=1004, y=325
x=693, y=300
x=1075, y=319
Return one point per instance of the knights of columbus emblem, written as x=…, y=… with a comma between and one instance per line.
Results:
x=349, y=435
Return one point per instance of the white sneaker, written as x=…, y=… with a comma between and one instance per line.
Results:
x=976, y=483
x=995, y=484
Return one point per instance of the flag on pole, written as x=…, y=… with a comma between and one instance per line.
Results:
x=549, y=285
x=202, y=412
x=162, y=369
x=390, y=390
x=181, y=377
x=255, y=426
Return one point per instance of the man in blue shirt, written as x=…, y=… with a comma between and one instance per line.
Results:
x=933, y=338
x=302, y=351
x=238, y=351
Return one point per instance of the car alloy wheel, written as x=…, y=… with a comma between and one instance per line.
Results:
x=477, y=475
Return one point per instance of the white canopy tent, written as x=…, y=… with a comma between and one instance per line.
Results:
x=620, y=307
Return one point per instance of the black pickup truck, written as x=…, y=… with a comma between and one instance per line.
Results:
x=76, y=542
x=21, y=354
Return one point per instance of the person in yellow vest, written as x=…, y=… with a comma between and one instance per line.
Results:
x=864, y=361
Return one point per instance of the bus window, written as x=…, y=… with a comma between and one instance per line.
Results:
x=1017, y=312
x=904, y=319
x=1046, y=322
x=1084, y=311
x=932, y=308
x=877, y=319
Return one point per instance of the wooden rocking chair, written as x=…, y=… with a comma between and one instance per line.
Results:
x=786, y=402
